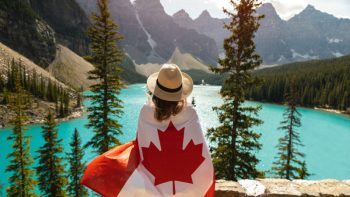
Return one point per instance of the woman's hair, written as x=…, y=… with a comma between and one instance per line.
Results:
x=165, y=109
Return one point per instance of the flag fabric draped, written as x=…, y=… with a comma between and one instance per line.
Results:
x=168, y=158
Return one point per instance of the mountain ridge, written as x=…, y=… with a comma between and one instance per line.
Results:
x=158, y=26
x=310, y=34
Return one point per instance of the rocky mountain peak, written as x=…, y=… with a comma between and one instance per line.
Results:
x=205, y=15
x=310, y=8
x=311, y=11
x=182, y=14
x=268, y=10
x=152, y=5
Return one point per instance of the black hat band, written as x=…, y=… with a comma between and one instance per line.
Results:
x=168, y=89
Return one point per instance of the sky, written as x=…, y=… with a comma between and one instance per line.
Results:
x=285, y=8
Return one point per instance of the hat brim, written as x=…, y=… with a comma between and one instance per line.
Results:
x=187, y=87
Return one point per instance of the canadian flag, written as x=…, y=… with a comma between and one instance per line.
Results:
x=169, y=158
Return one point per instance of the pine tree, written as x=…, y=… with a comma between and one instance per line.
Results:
x=66, y=103
x=234, y=143
x=78, y=100
x=6, y=98
x=76, y=170
x=288, y=164
x=42, y=87
x=106, y=58
x=2, y=83
x=61, y=108
x=21, y=181
x=50, y=170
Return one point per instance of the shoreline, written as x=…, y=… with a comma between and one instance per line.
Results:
x=333, y=111
x=76, y=114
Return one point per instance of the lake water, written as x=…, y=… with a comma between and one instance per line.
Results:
x=326, y=136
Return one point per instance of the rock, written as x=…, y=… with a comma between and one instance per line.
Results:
x=68, y=20
x=252, y=187
x=280, y=187
x=228, y=189
x=323, y=188
x=24, y=31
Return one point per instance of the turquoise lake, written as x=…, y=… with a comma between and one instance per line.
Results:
x=326, y=136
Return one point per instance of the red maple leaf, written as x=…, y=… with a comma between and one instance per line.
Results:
x=171, y=163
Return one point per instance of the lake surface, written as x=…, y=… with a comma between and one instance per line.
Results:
x=326, y=136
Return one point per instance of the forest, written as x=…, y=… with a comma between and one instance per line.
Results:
x=319, y=83
x=35, y=85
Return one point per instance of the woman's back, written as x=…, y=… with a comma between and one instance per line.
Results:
x=173, y=153
x=169, y=156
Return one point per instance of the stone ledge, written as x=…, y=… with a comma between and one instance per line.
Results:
x=282, y=188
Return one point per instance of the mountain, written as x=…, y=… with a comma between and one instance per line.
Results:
x=7, y=55
x=24, y=31
x=311, y=34
x=204, y=24
x=34, y=27
x=70, y=68
x=271, y=42
x=151, y=35
x=68, y=21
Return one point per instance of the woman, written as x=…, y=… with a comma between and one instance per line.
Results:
x=170, y=156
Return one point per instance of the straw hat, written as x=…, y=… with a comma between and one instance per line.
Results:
x=170, y=84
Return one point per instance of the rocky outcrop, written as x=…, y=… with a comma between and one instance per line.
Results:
x=282, y=187
x=68, y=20
x=24, y=31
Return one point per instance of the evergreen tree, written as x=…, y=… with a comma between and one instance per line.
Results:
x=106, y=58
x=76, y=170
x=303, y=171
x=50, y=92
x=321, y=83
x=288, y=164
x=42, y=87
x=234, y=143
x=2, y=83
x=79, y=99
x=50, y=170
x=21, y=181
x=6, y=98
x=61, y=108
x=66, y=103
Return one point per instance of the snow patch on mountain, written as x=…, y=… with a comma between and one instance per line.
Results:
x=149, y=37
x=334, y=40
x=281, y=59
x=305, y=56
x=337, y=54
